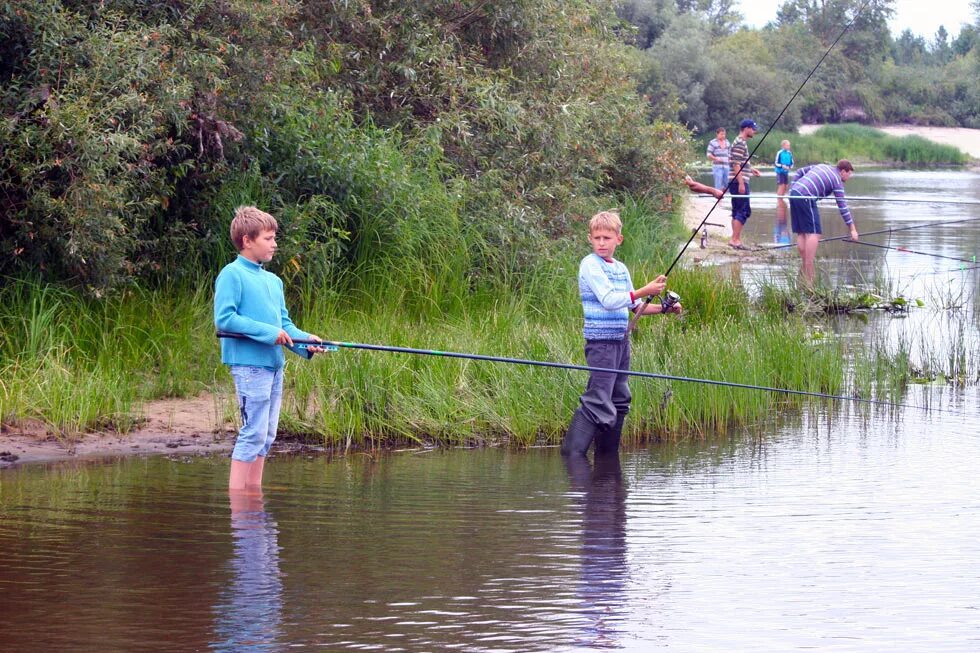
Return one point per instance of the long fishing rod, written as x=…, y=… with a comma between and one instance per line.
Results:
x=911, y=251
x=887, y=231
x=586, y=368
x=639, y=310
x=766, y=134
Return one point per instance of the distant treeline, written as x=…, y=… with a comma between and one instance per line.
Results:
x=718, y=70
x=443, y=139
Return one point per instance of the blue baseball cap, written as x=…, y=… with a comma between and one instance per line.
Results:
x=748, y=123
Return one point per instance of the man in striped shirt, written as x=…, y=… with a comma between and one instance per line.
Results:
x=810, y=184
x=738, y=187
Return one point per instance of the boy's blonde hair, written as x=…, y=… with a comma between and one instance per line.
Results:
x=606, y=220
x=250, y=221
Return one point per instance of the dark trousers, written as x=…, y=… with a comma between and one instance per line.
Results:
x=607, y=394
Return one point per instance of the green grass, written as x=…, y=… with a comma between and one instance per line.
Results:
x=77, y=363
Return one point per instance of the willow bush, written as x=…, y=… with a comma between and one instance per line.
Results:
x=382, y=134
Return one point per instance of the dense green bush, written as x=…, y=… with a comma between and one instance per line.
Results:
x=389, y=138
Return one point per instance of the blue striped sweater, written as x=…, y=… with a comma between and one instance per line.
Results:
x=605, y=289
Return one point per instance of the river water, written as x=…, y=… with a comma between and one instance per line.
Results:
x=835, y=529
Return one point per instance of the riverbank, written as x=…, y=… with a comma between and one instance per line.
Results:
x=67, y=394
x=714, y=249
x=185, y=426
x=966, y=140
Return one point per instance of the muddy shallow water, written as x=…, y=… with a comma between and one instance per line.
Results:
x=837, y=529
x=840, y=532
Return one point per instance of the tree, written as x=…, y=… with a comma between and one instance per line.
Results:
x=966, y=40
x=681, y=54
x=909, y=49
x=866, y=39
x=649, y=17
x=720, y=15
x=941, y=50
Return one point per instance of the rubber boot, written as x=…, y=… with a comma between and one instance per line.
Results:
x=607, y=440
x=579, y=436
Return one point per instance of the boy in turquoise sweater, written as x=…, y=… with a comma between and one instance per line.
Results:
x=249, y=300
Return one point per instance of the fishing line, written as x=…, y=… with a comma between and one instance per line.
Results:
x=887, y=231
x=587, y=368
x=910, y=251
x=859, y=198
x=959, y=269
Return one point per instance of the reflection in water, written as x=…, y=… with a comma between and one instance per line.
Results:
x=248, y=614
x=780, y=231
x=604, y=571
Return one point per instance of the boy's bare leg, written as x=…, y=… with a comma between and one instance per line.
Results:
x=255, y=472
x=698, y=187
x=238, y=478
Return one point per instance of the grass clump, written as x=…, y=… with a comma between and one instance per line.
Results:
x=77, y=363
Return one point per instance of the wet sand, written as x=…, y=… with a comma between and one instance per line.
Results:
x=188, y=426
x=719, y=231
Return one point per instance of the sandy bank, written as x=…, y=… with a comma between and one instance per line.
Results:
x=718, y=226
x=189, y=426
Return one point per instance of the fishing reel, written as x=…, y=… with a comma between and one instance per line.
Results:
x=668, y=300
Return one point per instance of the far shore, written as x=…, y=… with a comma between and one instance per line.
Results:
x=967, y=140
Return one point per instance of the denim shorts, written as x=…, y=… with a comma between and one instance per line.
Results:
x=720, y=175
x=259, y=391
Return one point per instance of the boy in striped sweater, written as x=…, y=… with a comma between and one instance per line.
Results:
x=607, y=299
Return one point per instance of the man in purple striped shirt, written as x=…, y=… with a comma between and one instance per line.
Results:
x=810, y=184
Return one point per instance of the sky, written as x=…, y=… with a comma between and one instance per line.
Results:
x=923, y=17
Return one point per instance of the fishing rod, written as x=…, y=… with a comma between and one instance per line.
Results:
x=585, y=368
x=639, y=310
x=911, y=251
x=887, y=231
x=858, y=198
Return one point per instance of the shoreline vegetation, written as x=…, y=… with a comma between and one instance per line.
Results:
x=431, y=172
x=78, y=368
x=78, y=365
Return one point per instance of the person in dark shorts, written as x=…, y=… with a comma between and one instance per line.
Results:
x=810, y=184
x=738, y=187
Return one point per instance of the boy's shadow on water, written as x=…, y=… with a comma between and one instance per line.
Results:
x=601, y=587
x=248, y=613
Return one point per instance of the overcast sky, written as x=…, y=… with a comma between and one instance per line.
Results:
x=923, y=17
